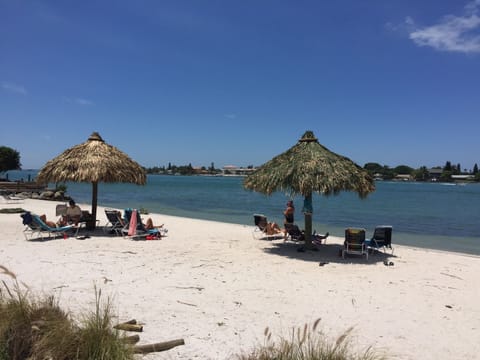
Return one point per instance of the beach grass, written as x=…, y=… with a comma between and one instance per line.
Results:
x=40, y=329
x=309, y=344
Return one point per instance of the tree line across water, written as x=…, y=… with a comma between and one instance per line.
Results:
x=10, y=160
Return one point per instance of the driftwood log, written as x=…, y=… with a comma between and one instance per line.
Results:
x=157, y=347
x=130, y=325
x=132, y=340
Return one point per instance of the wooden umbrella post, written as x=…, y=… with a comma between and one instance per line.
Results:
x=308, y=222
x=91, y=223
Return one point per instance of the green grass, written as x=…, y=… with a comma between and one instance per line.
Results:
x=12, y=211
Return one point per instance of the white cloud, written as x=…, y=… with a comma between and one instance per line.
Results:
x=231, y=116
x=79, y=101
x=14, y=88
x=451, y=33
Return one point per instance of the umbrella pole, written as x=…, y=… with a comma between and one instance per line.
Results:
x=308, y=224
x=94, y=204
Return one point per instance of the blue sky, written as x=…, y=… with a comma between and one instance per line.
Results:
x=238, y=82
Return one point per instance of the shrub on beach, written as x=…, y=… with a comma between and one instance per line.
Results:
x=308, y=344
x=38, y=329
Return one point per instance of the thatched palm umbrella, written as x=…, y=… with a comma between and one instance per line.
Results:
x=306, y=168
x=93, y=161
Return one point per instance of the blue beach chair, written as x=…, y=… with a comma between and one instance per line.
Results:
x=37, y=228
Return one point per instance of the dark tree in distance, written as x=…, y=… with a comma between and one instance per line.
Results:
x=9, y=159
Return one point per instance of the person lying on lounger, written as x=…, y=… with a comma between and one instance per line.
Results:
x=47, y=222
x=272, y=228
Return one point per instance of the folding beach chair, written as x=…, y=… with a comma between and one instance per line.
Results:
x=115, y=223
x=294, y=232
x=382, y=238
x=260, y=229
x=355, y=242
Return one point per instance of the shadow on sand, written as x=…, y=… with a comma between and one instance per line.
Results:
x=327, y=253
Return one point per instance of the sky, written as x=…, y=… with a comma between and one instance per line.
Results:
x=394, y=82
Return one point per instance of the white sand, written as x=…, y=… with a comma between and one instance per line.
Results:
x=216, y=287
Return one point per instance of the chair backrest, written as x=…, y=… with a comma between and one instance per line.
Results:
x=128, y=217
x=140, y=224
x=27, y=218
x=30, y=221
x=355, y=236
x=260, y=221
x=86, y=216
x=113, y=216
x=294, y=231
x=383, y=234
x=61, y=210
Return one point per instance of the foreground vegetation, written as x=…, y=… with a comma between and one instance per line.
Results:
x=38, y=329
x=33, y=329
x=308, y=344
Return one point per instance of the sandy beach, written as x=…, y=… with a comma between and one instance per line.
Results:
x=218, y=288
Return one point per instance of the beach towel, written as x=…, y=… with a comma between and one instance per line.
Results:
x=27, y=218
x=132, y=227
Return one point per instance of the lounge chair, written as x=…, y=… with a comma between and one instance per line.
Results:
x=36, y=228
x=139, y=229
x=294, y=232
x=317, y=238
x=382, y=238
x=355, y=242
x=260, y=230
x=115, y=223
x=61, y=210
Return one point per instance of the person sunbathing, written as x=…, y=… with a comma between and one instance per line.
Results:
x=47, y=222
x=272, y=228
x=149, y=225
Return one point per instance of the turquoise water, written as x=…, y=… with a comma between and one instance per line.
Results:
x=432, y=215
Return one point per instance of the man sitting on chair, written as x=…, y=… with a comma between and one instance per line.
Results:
x=73, y=214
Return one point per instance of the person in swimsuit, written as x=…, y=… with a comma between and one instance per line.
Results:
x=289, y=213
x=288, y=216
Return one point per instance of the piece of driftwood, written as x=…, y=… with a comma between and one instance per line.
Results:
x=129, y=327
x=132, y=340
x=131, y=322
x=163, y=346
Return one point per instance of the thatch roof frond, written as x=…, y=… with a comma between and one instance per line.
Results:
x=93, y=161
x=310, y=167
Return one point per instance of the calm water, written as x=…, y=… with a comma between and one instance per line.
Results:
x=439, y=216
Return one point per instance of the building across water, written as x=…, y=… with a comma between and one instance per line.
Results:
x=232, y=170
